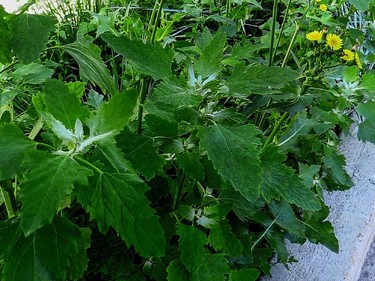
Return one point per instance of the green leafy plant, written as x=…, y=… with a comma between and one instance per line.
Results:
x=190, y=151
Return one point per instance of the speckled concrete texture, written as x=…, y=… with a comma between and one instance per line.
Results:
x=368, y=269
x=353, y=217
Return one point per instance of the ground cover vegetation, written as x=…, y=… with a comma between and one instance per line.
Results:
x=175, y=140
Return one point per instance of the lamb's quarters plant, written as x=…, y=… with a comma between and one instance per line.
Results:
x=174, y=140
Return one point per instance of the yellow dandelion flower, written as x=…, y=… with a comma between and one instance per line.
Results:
x=334, y=42
x=314, y=36
x=348, y=55
x=358, y=61
x=323, y=7
x=317, y=1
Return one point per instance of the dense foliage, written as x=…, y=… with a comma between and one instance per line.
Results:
x=175, y=140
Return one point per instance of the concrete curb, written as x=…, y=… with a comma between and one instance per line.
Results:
x=353, y=217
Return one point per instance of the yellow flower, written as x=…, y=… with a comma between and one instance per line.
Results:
x=358, y=61
x=314, y=36
x=348, y=55
x=317, y=1
x=334, y=42
x=323, y=7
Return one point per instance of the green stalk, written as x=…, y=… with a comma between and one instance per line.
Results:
x=273, y=27
x=180, y=185
x=88, y=164
x=290, y=46
x=144, y=81
x=151, y=23
x=275, y=129
x=264, y=233
x=9, y=199
x=282, y=27
x=227, y=8
x=157, y=20
x=281, y=120
x=9, y=66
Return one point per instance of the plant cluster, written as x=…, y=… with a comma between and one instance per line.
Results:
x=174, y=140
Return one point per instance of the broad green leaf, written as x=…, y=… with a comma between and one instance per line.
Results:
x=30, y=35
x=77, y=88
x=259, y=79
x=105, y=23
x=214, y=268
x=6, y=97
x=119, y=200
x=149, y=59
x=210, y=61
x=361, y=5
x=350, y=74
x=6, y=37
x=280, y=181
x=336, y=163
x=64, y=105
x=91, y=65
x=115, y=114
x=319, y=230
x=191, y=242
x=369, y=82
x=307, y=173
x=58, y=128
x=13, y=148
x=240, y=205
x=169, y=97
x=366, y=131
x=139, y=150
x=31, y=73
x=206, y=222
x=46, y=187
x=277, y=241
x=234, y=152
x=55, y=252
x=285, y=217
x=161, y=127
x=301, y=126
x=9, y=232
x=223, y=239
x=204, y=39
x=191, y=165
x=367, y=110
x=178, y=272
x=116, y=157
x=95, y=100
x=248, y=274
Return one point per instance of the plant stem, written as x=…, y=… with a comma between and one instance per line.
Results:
x=273, y=27
x=282, y=27
x=9, y=66
x=141, y=102
x=180, y=185
x=264, y=233
x=276, y=129
x=290, y=46
x=227, y=8
x=157, y=20
x=87, y=163
x=151, y=23
x=9, y=199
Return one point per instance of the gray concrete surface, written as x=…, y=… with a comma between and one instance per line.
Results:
x=368, y=269
x=353, y=217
